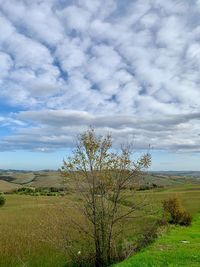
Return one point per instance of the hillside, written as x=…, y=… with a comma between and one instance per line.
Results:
x=179, y=247
x=11, y=179
x=7, y=186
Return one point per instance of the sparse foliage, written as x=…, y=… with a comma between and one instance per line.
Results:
x=102, y=177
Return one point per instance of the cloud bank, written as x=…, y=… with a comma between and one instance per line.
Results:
x=127, y=67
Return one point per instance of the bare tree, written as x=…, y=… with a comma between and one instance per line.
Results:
x=102, y=178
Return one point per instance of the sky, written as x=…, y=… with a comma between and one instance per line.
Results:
x=130, y=68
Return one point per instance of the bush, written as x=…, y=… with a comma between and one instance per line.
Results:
x=150, y=233
x=42, y=191
x=2, y=200
x=175, y=212
x=186, y=218
x=25, y=190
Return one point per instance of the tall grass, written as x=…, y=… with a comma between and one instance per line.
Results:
x=34, y=229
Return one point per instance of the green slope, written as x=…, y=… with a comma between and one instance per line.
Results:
x=179, y=248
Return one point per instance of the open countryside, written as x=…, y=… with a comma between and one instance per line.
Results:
x=99, y=133
x=33, y=226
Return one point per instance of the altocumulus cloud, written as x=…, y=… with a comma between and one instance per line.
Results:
x=127, y=67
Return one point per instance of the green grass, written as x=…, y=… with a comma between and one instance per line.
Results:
x=178, y=248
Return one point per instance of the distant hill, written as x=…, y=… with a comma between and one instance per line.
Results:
x=12, y=179
x=179, y=173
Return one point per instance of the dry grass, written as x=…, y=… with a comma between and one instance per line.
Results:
x=6, y=187
x=22, y=235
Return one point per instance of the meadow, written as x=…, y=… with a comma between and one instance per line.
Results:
x=34, y=229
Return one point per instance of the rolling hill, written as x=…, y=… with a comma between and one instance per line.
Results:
x=12, y=179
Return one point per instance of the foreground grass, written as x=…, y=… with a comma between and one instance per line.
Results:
x=29, y=223
x=180, y=247
x=22, y=241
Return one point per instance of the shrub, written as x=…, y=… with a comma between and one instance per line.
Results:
x=25, y=190
x=175, y=212
x=186, y=218
x=2, y=200
x=42, y=191
x=150, y=233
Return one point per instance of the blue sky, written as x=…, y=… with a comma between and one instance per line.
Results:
x=126, y=67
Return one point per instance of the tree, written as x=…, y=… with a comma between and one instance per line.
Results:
x=102, y=178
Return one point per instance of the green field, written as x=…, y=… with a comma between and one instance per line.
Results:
x=33, y=228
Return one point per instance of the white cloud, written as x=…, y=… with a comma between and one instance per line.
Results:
x=71, y=53
x=6, y=29
x=35, y=18
x=75, y=18
x=27, y=52
x=5, y=64
x=55, y=129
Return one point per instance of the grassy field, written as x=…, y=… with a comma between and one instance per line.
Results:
x=33, y=228
x=22, y=232
x=179, y=247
